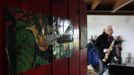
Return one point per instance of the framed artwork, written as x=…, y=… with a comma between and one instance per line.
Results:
x=34, y=39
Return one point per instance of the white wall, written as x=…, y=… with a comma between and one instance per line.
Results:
x=124, y=26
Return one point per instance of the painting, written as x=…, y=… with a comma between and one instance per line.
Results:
x=34, y=39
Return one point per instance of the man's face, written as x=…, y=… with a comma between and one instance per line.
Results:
x=109, y=31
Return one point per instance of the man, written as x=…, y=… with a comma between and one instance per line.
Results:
x=102, y=44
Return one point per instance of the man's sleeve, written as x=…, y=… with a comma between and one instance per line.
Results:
x=97, y=43
x=97, y=46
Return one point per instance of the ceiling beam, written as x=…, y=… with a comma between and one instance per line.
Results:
x=109, y=13
x=120, y=3
x=95, y=3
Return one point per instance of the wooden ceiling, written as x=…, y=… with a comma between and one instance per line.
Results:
x=110, y=7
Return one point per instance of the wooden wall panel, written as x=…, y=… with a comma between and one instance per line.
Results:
x=74, y=16
x=31, y=5
x=41, y=70
x=1, y=13
x=12, y=3
x=3, y=60
x=60, y=67
x=83, y=61
x=83, y=15
x=59, y=8
x=45, y=7
x=83, y=25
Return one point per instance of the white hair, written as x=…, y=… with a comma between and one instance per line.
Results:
x=109, y=27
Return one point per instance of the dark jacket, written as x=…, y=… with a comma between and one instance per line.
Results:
x=102, y=42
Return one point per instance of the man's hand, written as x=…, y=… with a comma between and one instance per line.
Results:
x=106, y=51
x=116, y=59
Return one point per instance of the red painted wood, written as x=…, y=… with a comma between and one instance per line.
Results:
x=41, y=70
x=45, y=9
x=83, y=15
x=83, y=52
x=37, y=6
x=60, y=67
x=74, y=16
x=83, y=61
x=3, y=61
x=74, y=63
x=59, y=8
x=31, y=5
x=13, y=3
x=1, y=12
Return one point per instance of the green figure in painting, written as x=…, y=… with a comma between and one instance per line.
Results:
x=29, y=38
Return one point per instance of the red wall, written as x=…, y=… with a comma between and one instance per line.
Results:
x=71, y=9
x=3, y=63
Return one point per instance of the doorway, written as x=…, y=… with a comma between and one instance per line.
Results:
x=123, y=27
